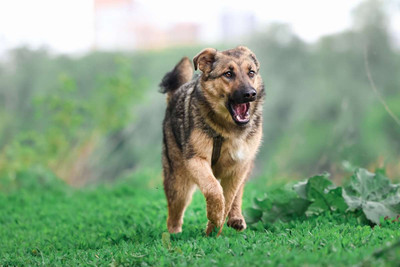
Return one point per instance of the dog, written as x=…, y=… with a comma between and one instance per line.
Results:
x=212, y=131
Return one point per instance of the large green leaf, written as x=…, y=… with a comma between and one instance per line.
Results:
x=285, y=211
x=323, y=194
x=369, y=196
x=374, y=194
x=280, y=204
x=252, y=215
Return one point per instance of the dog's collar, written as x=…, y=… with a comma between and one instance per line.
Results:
x=216, y=152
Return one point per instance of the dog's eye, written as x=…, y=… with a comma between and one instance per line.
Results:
x=251, y=74
x=228, y=74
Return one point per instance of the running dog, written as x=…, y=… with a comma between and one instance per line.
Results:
x=211, y=132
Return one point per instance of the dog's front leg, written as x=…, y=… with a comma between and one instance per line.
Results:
x=202, y=175
x=235, y=217
x=233, y=191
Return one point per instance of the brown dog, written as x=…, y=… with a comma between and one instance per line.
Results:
x=212, y=130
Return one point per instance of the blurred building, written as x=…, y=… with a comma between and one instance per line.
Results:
x=127, y=25
x=184, y=33
x=113, y=25
x=236, y=24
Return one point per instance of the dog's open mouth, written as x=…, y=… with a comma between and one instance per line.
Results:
x=240, y=112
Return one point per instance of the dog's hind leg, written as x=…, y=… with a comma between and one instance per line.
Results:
x=179, y=191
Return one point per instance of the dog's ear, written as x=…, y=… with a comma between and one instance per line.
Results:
x=204, y=60
x=251, y=54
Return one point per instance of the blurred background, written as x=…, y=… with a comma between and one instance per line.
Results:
x=79, y=83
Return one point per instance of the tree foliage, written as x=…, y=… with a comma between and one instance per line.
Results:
x=100, y=115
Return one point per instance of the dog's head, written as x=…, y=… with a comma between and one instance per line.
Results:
x=231, y=82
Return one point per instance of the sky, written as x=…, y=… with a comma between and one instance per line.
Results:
x=67, y=26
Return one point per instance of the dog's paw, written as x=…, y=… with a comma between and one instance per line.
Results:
x=174, y=226
x=216, y=210
x=174, y=229
x=237, y=223
x=210, y=228
x=216, y=217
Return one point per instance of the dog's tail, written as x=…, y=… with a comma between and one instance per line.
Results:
x=181, y=74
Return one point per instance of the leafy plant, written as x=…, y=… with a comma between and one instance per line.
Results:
x=73, y=126
x=280, y=205
x=373, y=194
x=368, y=194
x=322, y=193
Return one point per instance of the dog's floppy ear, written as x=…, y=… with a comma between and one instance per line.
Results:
x=204, y=60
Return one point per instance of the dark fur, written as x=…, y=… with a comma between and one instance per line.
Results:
x=173, y=79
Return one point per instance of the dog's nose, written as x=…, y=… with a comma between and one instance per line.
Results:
x=244, y=95
x=249, y=94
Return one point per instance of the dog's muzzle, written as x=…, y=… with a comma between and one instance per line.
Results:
x=239, y=104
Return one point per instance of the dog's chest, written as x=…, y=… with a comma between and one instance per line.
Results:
x=236, y=150
x=233, y=154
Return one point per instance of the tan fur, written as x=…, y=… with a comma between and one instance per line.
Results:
x=188, y=165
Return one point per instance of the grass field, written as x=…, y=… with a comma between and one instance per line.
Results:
x=44, y=222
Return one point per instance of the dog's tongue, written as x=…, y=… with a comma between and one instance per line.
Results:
x=241, y=112
x=240, y=109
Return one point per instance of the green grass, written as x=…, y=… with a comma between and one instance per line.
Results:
x=44, y=222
